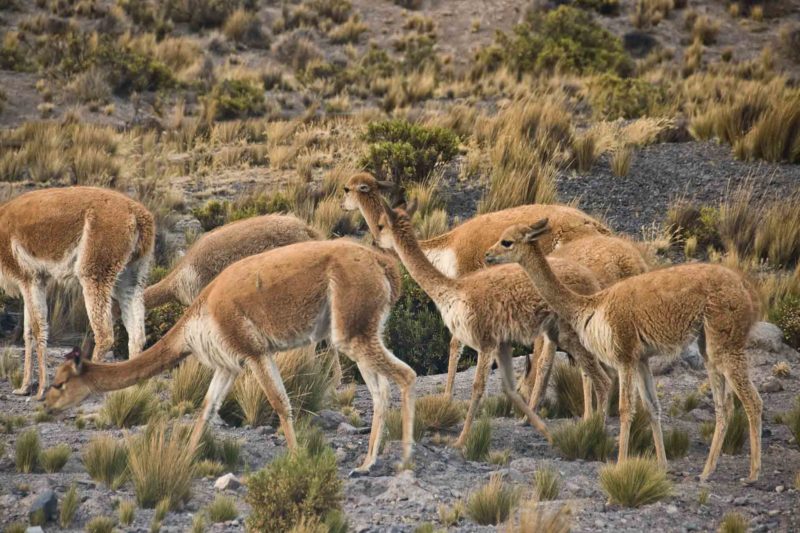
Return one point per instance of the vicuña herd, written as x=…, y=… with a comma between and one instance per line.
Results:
x=268, y=284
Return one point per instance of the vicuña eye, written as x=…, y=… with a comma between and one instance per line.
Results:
x=506, y=244
x=347, y=189
x=380, y=227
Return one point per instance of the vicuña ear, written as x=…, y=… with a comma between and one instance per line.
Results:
x=412, y=208
x=391, y=216
x=362, y=187
x=386, y=186
x=75, y=359
x=536, y=230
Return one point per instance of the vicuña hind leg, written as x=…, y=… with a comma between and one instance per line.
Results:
x=36, y=309
x=221, y=383
x=507, y=375
x=647, y=392
x=716, y=380
x=456, y=348
x=626, y=408
x=591, y=369
x=542, y=365
x=30, y=341
x=97, y=296
x=269, y=377
x=379, y=403
x=737, y=375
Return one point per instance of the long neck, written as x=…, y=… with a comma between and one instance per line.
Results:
x=433, y=282
x=159, y=293
x=568, y=304
x=163, y=355
x=371, y=210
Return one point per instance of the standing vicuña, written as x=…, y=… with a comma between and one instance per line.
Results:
x=656, y=313
x=99, y=237
x=223, y=246
x=461, y=250
x=275, y=301
x=489, y=310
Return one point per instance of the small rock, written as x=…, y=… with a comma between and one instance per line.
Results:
x=773, y=512
x=599, y=523
x=34, y=529
x=227, y=482
x=780, y=488
x=328, y=420
x=701, y=415
x=671, y=509
x=46, y=503
x=740, y=500
x=766, y=336
x=771, y=385
x=691, y=354
x=266, y=430
x=341, y=455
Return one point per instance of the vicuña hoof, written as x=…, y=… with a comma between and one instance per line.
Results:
x=40, y=395
x=22, y=391
x=359, y=472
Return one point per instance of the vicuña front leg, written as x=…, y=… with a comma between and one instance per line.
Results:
x=507, y=375
x=626, y=409
x=647, y=392
x=542, y=365
x=269, y=377
x=456, y=348
x=221, y=383
x=478, y=388
x=30, y=341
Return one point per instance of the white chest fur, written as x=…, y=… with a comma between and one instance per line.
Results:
x=444, y=259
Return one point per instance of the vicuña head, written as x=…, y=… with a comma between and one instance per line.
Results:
x=397, y=218
x=69, y=385
x=360, y=187
x=507, y=249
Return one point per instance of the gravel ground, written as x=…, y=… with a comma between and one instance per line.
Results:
x=388, y=502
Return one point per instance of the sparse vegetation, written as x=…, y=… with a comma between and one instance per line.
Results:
x=676, y=443
x=734, y=522
x=53, y=459
x=478, y=441
x=28, y=451
x=535, y=518
x=129, y=407
x=127, y=512
x=584, y=439
x=100, y=524
x=546, y=483
x=222, y=509
x=189, y=383
x=69, y=506
x=106, y=460
x=792, y=420
x=492, y=503
x=635, y=482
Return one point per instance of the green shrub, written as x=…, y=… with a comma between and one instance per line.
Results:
x=437, y=412
x=568, y=386
x=189, y=383
x=564, y=40
x=415, y=331
x=293, y=487
x=604, y=7
x=641, y=436
x=478, y=441
x=222, y=509
x=584, y=439
x=127, y=512
x=27, y=451
x=129, y=70
x=613, y=97
x=635, y=482
x=203, y=13
x=237, y=99
x=53, y=459
x=404, y=151
x=734, y=522
x=106, y=460
x=129, y=407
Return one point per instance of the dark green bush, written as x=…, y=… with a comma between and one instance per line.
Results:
x=604, y=7
x=613, y=97
x=212, y=214
x=128, y=70
x=404, y=151
x=293, y=487
x=237, y=99
x=415, y=331
x=203, y=13
x=566, y=39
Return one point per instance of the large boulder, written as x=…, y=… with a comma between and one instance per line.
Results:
x=768, y=337
x=44, y=508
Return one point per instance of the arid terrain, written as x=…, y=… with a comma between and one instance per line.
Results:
x=674, y=122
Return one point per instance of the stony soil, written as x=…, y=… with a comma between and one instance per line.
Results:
x=385, y=501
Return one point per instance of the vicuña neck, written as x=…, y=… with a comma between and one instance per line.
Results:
x=163, y=355
x=372, y=209
x=433, y=282
x=568, y=304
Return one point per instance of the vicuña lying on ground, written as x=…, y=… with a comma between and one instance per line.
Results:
x=98, y=237
x=655, y=313
x=610, y=259
x=489, y=310
x=461, y=250
x=271, y=302
x=218, y=249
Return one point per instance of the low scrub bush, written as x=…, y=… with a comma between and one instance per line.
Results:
x=402, y=151
x=189, y=383
x=568, y=387
x=534, y=517
x=53, y=459
x=106, y=461
x=584, y=439
x=565, y=39
x=293, y=487
x=492, y=503
x=613, y=97
x=735, y=434
x=236, y=99
x=676, y=443
x=498, y=406
x=478, y=441
x=734, y=522
x=28, y=450
x=635, y=482
x=100, y=524
x=437, y=412
x=128, y=69
x=160, y=465
x=126, y=512
x=792, y=421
